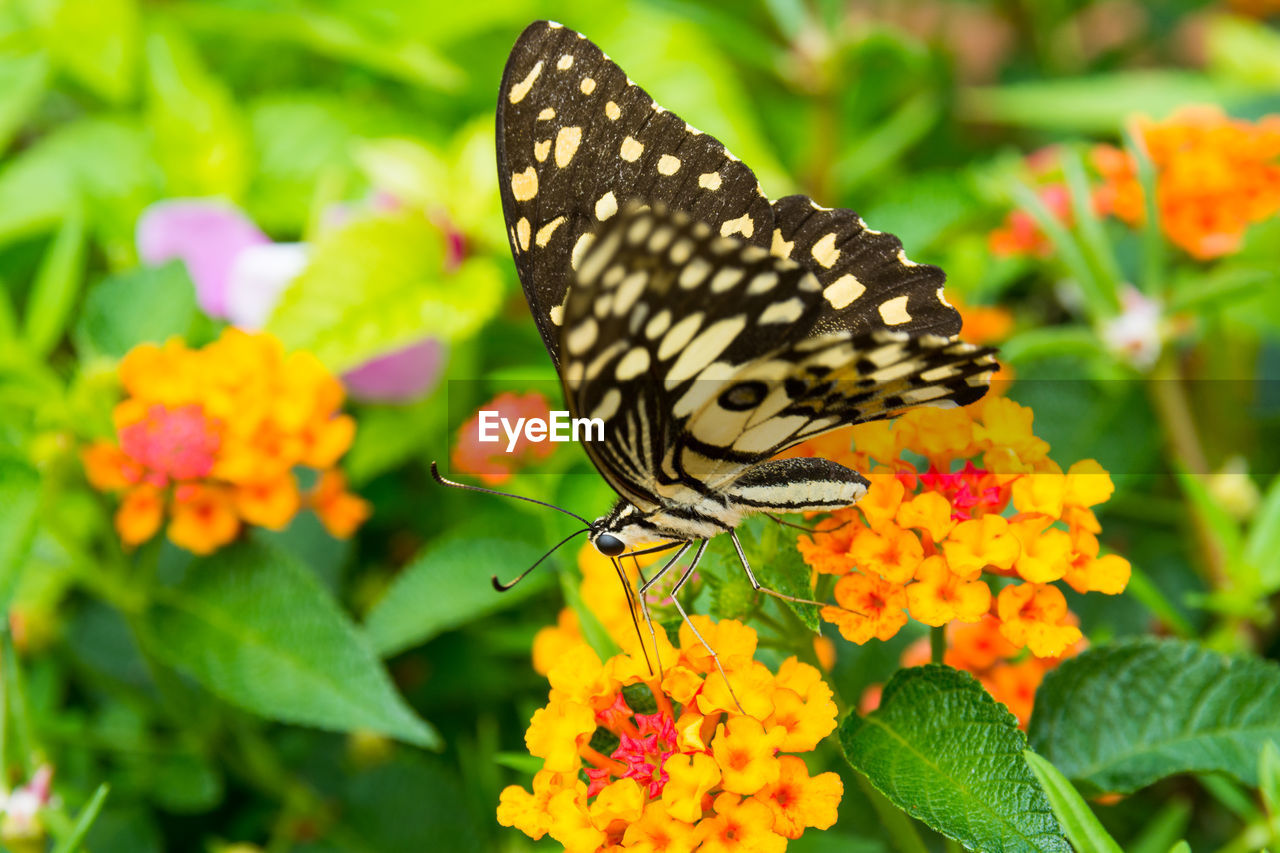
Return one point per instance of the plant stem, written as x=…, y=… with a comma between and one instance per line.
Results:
x=938, y=643
x=1174, y=411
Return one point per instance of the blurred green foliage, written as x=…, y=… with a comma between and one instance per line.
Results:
x=282, y=693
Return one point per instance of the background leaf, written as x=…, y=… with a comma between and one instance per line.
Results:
x=1078, y=821
x=449, y=586
x=1123, y=715
x=255, y=627
x=943, y=751
x=20, y=497
x=143, y=304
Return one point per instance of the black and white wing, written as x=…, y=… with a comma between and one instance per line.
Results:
x=577, y=141
x=704, y=356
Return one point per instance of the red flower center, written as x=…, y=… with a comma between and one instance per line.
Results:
x=970, y=491
x=172, y=444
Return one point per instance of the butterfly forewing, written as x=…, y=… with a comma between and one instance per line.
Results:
x=576, y=141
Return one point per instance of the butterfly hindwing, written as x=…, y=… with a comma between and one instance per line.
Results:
x=576, y=141
x=701, y=355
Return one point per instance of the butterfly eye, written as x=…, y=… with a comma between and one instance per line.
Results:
x=609, y=545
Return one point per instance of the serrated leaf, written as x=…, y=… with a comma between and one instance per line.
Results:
x=785, y=571
x=20, y=497
x=379, y=284
x=942, y=750
x=143, y=304
x=255, y=627
x=1121, y=716
x=1081, y=825
x=448, y=586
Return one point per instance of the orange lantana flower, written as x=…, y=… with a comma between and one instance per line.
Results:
x=694, y=773
x=211, y=437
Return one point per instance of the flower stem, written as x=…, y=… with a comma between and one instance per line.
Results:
x=1169, y=398
x=938, y=643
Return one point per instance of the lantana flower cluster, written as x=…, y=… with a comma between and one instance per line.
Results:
x=1215, y=176
x=491, y=461
x=210, y=438
x=672, y=762
x=966, y=516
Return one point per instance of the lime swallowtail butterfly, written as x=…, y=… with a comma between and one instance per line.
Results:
x=709, y=327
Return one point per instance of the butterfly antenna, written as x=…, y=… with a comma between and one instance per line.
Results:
x=503, y=587
x=435, y=472
x=631, y=608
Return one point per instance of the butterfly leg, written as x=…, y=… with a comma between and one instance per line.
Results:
x=643, y=589
x=715, y=658
x=756, y=585
x=784, y=523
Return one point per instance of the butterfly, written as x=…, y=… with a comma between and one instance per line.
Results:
x=709, y=327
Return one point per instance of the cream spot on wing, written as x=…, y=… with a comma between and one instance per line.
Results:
x=612, y=111
x=915, y=396
x=894, y=311
x=679, y=335
x=544, y=233
x=904, y=260
x=639, y=230
x=668, y=165
x=705, y=348
x=942, y=297
x=751, y=254
x=588, y=85
x=608, y=405
x=522, y=233
x=603, y=304
x=661, y=239
x=580, y=247
x=629, y=291
x=631, y=149
x=787, y=311
x=567, y=141
x=769, y=434
x=695, y=273
x=743, y=225
x=613, y=275
x=681, y=251
x=632, y=364
x=556, y=314
x=843, y=291
x=763, y=282
x=825, y=252
x=594, y=264
x=693, y=131
x=524, y=185
x=781, y=248
x=541, y=150
x=546, y=114
x=519, y=90
x=709, y=180
x=607, y=206
x=565, y=63
x=726, y=278
x=658, y=324
x=580, y=338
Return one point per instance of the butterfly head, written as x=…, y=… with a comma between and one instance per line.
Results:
x=622, y=528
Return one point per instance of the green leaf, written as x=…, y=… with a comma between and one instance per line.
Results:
x=448, y=586
x=943, y=751
x=20, y=497
x=1120, y=716
x=1078, y=821
x=1269, y=778
x=1099, y=103
x=56, y=287
x=96, y=42
x=141, y=305
x=23, y=80
x=1225, y=530
x=777, y=564
x=84, y=821
x=255, y=627
x=379, y=284
x=1262, y=545
x=1244, y=50
x=201, y=141
x=1208, y=289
